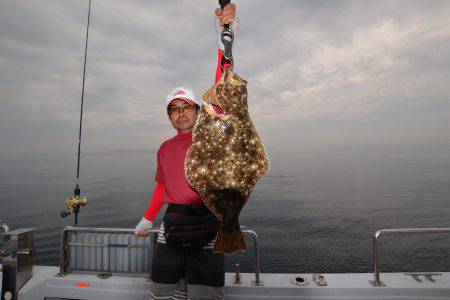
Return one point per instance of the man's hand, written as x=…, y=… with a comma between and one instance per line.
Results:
x=227, y=15
x=142, y=227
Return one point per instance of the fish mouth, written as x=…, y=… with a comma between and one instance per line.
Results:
x=215, y=108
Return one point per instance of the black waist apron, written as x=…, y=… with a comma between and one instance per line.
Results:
x=189, y=228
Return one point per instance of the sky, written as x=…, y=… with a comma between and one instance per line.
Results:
x=330, y=76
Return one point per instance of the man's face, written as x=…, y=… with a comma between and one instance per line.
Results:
x=182, y=115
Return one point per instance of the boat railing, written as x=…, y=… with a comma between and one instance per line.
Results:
x=115, y=251
x=376, y=245
x=255, y=237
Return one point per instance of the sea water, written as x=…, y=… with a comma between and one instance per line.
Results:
x=312, y=212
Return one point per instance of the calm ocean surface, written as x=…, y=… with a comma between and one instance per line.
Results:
x=312, y=212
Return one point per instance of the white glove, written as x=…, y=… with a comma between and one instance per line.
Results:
x=234, y=26
x=144, y=224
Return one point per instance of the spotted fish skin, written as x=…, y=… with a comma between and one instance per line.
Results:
x=227, y=157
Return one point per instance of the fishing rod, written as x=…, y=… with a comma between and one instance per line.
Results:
x=227, y=40
x=73, y=203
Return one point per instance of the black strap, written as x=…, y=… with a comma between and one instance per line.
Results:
x=189, y=210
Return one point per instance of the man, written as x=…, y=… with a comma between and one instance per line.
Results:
x=184, y=269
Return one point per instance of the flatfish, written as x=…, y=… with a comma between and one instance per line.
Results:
x=226, y=158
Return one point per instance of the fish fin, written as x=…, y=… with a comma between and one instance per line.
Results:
x=229, y=242
x=230, y=239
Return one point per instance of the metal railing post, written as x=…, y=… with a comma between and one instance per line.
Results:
x=62, y=249
x=376, y=259
x=257, y=280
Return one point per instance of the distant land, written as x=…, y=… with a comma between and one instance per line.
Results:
x=121, y=151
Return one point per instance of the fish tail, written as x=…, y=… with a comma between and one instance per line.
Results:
x=229, y=239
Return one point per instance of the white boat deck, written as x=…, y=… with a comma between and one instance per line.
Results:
x=46, y=284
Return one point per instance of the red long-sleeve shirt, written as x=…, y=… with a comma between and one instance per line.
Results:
x=160, y=191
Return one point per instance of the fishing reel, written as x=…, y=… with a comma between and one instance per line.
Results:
x=73, y=204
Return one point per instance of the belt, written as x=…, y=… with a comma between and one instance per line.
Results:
x=188, y=209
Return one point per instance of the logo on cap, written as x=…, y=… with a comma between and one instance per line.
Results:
x=179, y=92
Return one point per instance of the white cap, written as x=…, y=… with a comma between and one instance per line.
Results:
x=183, y=94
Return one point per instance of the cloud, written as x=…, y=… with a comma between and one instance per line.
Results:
x=382, y=66
x=306, y=63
